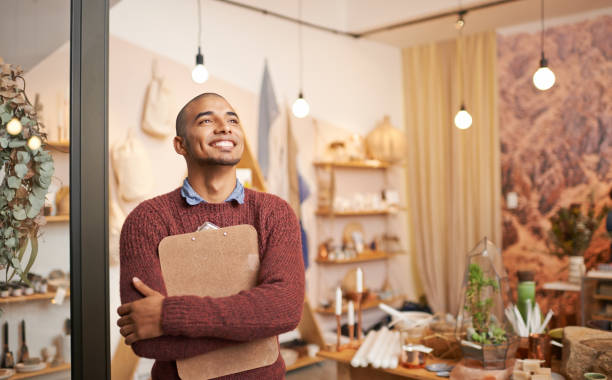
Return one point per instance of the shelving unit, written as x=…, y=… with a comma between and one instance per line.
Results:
x=57, y=218
x=595, y=305
x=363, y=257
x=352, y=172
x=369, y=164
x=49, y=370
x=324, y=212
x=34, y=297
x=365, y=305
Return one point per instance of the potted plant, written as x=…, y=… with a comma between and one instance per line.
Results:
x=571, y=232
x=488, y=337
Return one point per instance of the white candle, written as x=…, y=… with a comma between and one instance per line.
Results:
x=338, y=301
x=359, y=280
x=351, y=313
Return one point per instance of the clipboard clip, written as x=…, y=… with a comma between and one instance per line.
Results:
x=207, y=226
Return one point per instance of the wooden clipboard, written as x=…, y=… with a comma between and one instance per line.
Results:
x=216, y=263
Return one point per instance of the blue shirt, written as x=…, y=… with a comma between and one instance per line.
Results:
x=192, y=198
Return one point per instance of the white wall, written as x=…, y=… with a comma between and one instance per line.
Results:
x=350, y=83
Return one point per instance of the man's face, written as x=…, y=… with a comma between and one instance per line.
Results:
x=213, y=134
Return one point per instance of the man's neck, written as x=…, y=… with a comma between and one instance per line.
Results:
x=213, y=183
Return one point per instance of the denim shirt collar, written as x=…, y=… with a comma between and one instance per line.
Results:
x=192, y=198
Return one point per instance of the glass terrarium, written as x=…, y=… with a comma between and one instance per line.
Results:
x=482, y=328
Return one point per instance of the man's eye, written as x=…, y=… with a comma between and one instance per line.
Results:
x=233, y=121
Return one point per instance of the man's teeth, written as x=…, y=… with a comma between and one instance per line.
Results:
x=224, y=144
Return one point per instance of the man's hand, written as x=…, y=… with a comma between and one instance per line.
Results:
x=141, y=319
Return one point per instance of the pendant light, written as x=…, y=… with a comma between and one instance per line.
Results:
x=300, y=107
x=463, y=119
x=199, y=74
x=543, y=78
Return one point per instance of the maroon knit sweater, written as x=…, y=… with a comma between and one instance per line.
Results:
x=195, y=325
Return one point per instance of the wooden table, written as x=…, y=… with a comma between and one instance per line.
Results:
x=347, y=372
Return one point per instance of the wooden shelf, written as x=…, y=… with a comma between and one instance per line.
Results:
x=323, y=212
x=28, y=375
x=57, y=218
x=58, y=144
x=33, y=297
x=303, y=362
x=371, y=164
x=366, y=256
x=602, y=297
x=601, y=317
x=368, y=304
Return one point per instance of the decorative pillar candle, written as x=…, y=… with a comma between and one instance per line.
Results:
x=359, y=280
x=338, y=301
x=351, y=313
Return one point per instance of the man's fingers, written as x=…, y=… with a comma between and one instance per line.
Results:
x=124, y=309
x=124, y=321
x=131, y=339
x=143, y=288
x=126, y=330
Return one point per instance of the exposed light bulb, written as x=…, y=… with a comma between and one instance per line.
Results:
x=463, y=119
x=34, y=142
x=543, y=78
x=14, y=127
x=199, y=74
x=300, y=107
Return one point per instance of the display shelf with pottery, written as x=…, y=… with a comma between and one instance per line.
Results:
x=328, y=212
x=6, y=373
x=366, y=164
x=367, y=304
x=60, y=146
x=363, y=257
x=57, y=218
x=31, y=298
x=46, y=370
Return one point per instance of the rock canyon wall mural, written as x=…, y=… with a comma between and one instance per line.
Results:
x=556, y=145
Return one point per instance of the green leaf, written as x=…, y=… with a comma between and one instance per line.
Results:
x=44, y=181
x=13, y=182
x=6, y=117
x=23, y=157
x=38, y=192
x=8, y=232
x=33, y=211
x=19, y=214
x=16, y=143
x=4, y=141
x=9, y=194
x=10, y=242
x=21, y=170
x=47, y=166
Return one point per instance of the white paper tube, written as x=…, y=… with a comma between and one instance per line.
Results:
x=338, y=301
x=546, y=320
x=386, y=359
x=351, y=313
x=374, y=351
x=382, y=349
x=362, y=352
x=396, y=351
x=359, y=280
x=389, y=310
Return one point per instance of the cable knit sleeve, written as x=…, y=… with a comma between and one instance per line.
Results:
x=272, y=307
x=140, y=237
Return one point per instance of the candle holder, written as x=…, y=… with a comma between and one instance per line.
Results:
x=359, y=316
x=339, y=326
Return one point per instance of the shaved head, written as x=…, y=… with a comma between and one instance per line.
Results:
x=181, y=117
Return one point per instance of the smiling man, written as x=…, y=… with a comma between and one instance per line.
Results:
x=210, y=138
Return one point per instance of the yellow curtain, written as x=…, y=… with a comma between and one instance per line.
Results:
x=453, y=177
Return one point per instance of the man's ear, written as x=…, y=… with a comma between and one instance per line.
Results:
x=179, y=145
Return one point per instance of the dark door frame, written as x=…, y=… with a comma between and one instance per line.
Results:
x=89, y=299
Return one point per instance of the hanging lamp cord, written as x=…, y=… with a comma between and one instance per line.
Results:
x=199, y=25
x=301, y=48
x=542, y=27
x=461, y=65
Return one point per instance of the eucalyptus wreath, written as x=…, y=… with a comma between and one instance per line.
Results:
x=26, y=169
